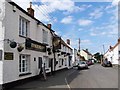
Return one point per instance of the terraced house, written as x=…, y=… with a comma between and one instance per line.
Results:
x=113, y=53
x=26, y=44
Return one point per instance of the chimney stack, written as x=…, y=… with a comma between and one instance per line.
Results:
x=68, y=41
x=30, y=10
x=49, y=26
x=110, y=47
x=119, y=40
x=87, y=50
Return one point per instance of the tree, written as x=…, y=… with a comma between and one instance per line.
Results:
x=98, y=56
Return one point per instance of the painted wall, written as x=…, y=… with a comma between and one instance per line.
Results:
x=2, y=30
x=11, y=67
x=65, y=58
x=115, y=55
x=82, y=53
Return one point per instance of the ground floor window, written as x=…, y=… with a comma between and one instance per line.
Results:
x=24, y=63
x=46, y=61
x=60, y=62
x=65, y=62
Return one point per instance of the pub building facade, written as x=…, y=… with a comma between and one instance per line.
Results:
x=64, y=55
x=26, y=44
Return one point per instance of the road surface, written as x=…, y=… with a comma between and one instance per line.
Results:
x=94, y=77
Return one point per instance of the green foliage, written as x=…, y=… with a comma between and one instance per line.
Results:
x=98, y=56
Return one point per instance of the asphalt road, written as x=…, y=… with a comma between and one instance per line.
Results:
x=94, y=77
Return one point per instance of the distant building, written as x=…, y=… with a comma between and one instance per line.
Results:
x=113, y=53
x=87, y=55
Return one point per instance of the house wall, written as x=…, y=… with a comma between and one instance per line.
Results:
x=2, y=31
x=115, y=55
x=11, y=67
x=66, y=59
x=82, y=53
x=75, y=57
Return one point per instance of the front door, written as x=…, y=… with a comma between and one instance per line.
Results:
x=51, y=64
x=40, y=63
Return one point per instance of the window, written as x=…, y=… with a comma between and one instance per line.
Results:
x=45, y=36
x=23, y=26
x=65, y=62
x=119, y=52
x=24, y=63
x=60, y=62
x=46, y=61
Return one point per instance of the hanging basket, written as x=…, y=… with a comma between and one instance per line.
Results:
x=13, y=44
x=20, y=48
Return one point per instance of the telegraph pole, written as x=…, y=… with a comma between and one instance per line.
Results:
x=103, y=48
x=103, y=53
x=79, y=45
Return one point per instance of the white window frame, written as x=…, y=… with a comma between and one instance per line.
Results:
x=45, y=36
x=46, y=61
x=60, y=62
x=24, y=63
x=23, y=26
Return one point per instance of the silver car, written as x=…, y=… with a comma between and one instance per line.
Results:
x=82, y=65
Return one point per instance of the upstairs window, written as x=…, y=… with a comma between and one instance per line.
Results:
x=23, y=27
x=45, y=36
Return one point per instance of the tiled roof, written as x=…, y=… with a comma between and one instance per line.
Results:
x=87, y=52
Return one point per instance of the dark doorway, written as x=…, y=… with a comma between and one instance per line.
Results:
x=51, y=64
x=40, y=63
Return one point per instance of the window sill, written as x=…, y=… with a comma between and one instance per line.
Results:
x=24, y=74
x=22, y=36
x=46, y=69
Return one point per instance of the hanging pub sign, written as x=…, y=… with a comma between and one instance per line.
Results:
x=57, y=43
x=8, y=56
x=33, y=45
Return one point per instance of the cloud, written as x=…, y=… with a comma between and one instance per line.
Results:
x=93, y=34
x=86, y=41
x=80, y=29
x=97, y=13
x=115, y=2
x=84, y=22
x=108, y=30
x=67, y=20
x=80, y=8
x=43, y=8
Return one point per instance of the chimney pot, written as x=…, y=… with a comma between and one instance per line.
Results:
x=68, y=41
x=49, y=26
x=110, y=47
x=119, y=40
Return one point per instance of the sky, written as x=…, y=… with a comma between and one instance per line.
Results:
x=94, y=22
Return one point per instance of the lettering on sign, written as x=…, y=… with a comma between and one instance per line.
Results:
x=33, y=45
x=8, y=56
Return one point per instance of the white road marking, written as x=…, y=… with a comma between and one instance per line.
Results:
x=67, y=84
x=67, y=81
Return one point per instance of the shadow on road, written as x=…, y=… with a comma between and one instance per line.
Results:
x=52, y=82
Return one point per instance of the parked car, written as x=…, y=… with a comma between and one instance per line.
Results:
x=106, y=63
x=89, y=62
x=82, y=65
